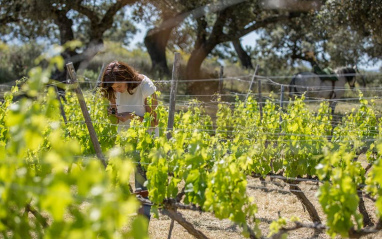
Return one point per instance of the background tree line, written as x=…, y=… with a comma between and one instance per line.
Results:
x=339, y=32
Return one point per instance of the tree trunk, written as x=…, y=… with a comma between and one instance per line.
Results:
x=244, y=58
x=193, y=71
x=66, y=34
x=156, y=41
x=195, y=62
x=93, y=47
x=203, y=47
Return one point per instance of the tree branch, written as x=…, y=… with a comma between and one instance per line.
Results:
x=171, y=203
x=306, y=203
x=94, y=19
x=8, y=19
x=258, y=25
x=201, y=33
x=107, y=20
x=368, y=167
x=379, y=225
x=176, y=216
x=65, y=26
x=360, y=233
x=367, y=195
x=298, y=225
x=320, y=227
x=217, y=29
x=362, y=209
x=37, y=215
x=181, y=194
x=170, y=22
x=11, y=13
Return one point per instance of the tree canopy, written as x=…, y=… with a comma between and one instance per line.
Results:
x=61, y=21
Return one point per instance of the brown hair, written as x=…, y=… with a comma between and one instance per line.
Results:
x=118, y=72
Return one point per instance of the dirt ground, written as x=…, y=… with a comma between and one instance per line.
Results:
x=272, y=201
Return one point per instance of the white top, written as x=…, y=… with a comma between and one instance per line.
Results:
x=134, y=103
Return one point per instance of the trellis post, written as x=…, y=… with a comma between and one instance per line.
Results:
x=88, y=121
x=221, y=80
x=260, y=99
x=174, y=86
x=250, y=85
x=281, y=104
x=61, y=106
x=98, y=83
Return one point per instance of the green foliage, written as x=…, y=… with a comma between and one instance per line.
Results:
x=374, y=180
x=97, y=105
x=49, y=165
x=17, y=60
x=363, y=17
x=359, y=128
x=276, y=226
x=338, y=195
x=48, y=187
x=304, y=136
x=226, y=192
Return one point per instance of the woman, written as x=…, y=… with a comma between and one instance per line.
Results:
x=128, y=92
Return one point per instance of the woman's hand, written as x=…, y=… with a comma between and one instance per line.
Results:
x=124, y=116
x=112, y=111
x=128, y=115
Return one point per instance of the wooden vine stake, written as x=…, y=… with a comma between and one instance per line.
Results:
x=174, y=87
x=281, y=105
x=60, y=102
x=260, y=99
x=171, y=113
x=84, y=109
x=98, y=83
x=250, y=85
x=172, y=212
x=221, y=80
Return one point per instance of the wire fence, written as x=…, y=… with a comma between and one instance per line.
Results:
x=269, y=90
x=240, y=88
x=211, y=101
